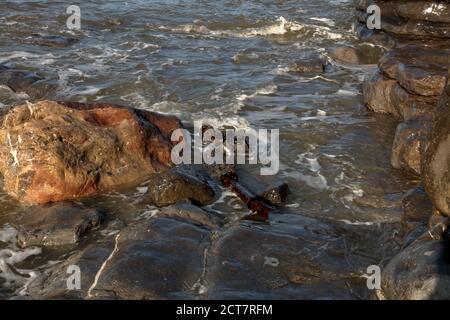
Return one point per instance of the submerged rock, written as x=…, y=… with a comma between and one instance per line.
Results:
x=309, y=66
x=18, y=80
x=50, y=40
x=346, y=55
x=359, y=54
x=56, y=224
x=173, y=186
x=54, y=151
x=32, y=84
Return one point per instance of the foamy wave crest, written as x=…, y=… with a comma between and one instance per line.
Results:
x=280, y=27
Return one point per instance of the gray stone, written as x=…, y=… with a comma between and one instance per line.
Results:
x=55, y=224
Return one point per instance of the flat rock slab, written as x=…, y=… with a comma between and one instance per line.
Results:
x=55, y=224
x=157, y=258
x=161, y=258
x=385, y=95
x=419, y=70
x=53, y=151
x=248, y=261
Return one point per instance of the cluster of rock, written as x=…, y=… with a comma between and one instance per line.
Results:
x=405, y=22
x=411, y=84
x=55, y=154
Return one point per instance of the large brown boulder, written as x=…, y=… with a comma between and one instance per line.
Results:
x=53, y=151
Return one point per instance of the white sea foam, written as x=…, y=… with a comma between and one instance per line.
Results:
x=356, y=223
x=15, y=278
x=280, y=27
x=264, y=91
x=327, y=21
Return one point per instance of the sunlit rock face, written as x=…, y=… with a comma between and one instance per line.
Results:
x=405, y=22
x=411, y=76
x=436, y=164
x=52, y=151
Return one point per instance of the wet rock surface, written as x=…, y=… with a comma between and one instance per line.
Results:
x=277, y=194
x=335, y=158
x=417, y=206
x=142, y=261
x=410, y=84
x=317, y=65
x=55, y=224
x=405, y=21
x=361, y=54
x=421, y=271
x=34, y=85
x=58, y=151
x=408, y=144
x=437, y=157
x=420, y=70
x=173, y=186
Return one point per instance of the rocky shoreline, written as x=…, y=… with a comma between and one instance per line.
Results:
x=411, y=84
x=58, y=155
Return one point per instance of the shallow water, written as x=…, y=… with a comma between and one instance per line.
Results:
x=227, y=62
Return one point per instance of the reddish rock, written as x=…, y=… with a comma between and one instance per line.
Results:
x=53, y=151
